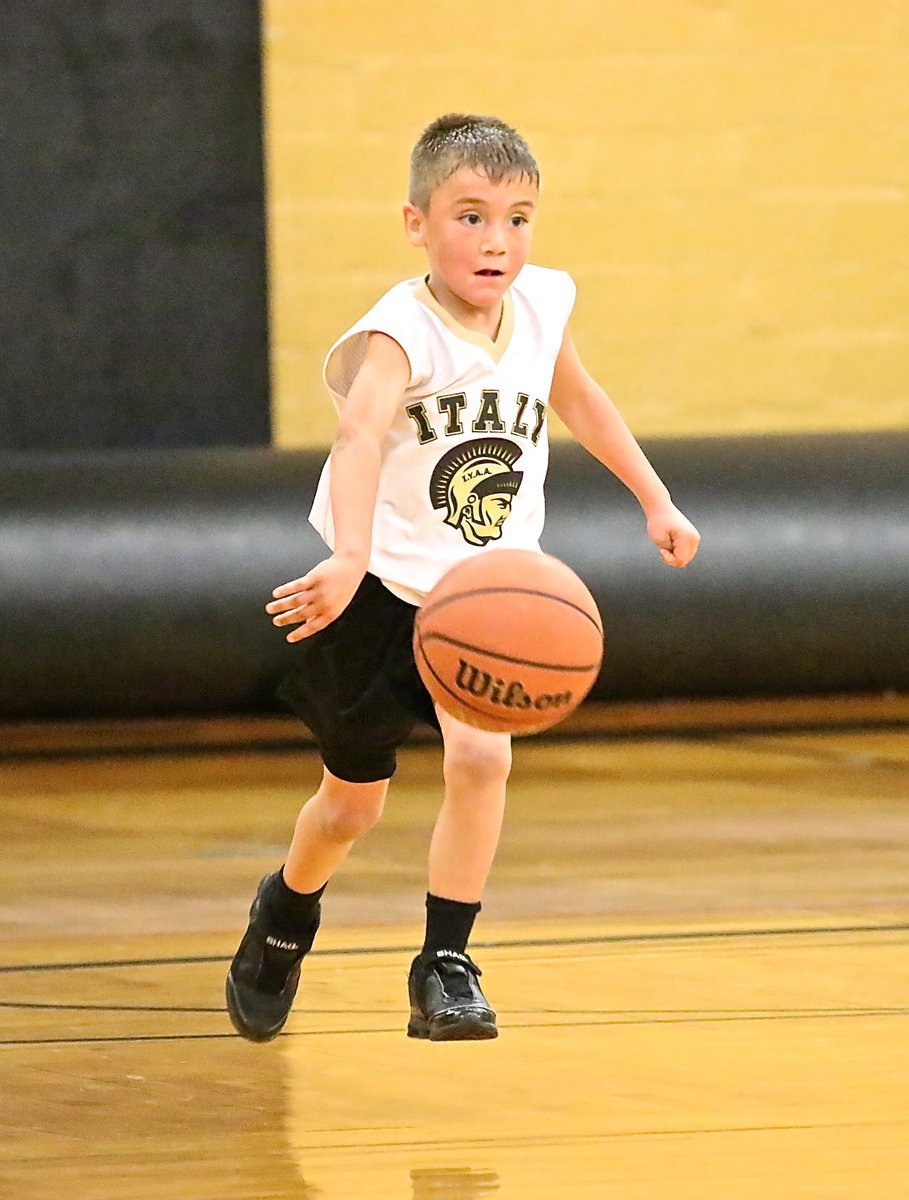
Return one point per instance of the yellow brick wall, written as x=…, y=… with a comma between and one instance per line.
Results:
x=727, y=180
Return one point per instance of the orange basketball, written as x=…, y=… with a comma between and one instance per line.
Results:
x=509, y=641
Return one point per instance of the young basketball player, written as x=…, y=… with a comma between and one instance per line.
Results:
x=442, y=391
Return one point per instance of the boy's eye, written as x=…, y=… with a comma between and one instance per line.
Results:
x=471, y=218
x=518, y=219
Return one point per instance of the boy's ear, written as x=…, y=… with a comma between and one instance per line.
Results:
x=413, y=225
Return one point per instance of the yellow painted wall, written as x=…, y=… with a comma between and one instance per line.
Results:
x=727, y=180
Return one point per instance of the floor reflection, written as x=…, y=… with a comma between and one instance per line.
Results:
x=453, y=1183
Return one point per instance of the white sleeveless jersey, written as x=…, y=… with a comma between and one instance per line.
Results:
x=464, y=462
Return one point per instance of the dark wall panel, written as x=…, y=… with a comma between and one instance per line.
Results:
x=132, y=256
x=134, y=584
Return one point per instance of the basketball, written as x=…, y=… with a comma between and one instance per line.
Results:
x=510, y=641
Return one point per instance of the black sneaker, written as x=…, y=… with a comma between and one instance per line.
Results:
x=446, y=1004
x=262, y=980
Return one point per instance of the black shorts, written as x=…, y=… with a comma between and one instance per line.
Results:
x=357, y=687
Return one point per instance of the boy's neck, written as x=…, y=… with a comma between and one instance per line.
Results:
x=487, y=321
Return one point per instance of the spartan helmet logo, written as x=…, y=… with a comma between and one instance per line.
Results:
x=475, y=485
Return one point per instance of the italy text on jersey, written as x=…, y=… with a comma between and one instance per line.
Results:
x=474, y=482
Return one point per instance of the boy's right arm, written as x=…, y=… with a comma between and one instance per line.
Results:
x=316, y=599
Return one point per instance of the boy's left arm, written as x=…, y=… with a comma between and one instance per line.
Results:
x=598, y=425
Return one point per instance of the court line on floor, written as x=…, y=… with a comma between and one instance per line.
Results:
x=857, y=1010
x=517, y=1141
x=606, y=939
x=509, y=1026
x=120, y=1008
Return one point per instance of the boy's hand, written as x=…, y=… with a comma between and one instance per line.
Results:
x=676, y=537
x=316, y=599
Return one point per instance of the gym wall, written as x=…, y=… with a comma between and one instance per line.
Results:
x=133, y=584
x=132, y=255
x=727, y=180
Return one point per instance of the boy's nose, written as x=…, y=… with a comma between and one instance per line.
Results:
x=494, y=241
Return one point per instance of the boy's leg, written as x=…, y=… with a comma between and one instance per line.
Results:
x=284, y=917
x=466, y=835
x=446, y=1000
x=327, y=827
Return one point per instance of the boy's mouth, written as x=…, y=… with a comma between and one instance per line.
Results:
x=489, y=271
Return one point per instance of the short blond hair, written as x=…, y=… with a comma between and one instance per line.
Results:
x=464, y=140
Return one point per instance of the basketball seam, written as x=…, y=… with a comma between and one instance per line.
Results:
x=523, y=662
x=511, y=591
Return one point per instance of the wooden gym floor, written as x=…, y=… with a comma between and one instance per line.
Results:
x=697, y=938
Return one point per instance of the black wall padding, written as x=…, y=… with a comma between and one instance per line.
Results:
x=134, y=584
x=133, y=308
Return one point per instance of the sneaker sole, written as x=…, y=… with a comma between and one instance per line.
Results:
x=459, y=1029
x=236, y=1019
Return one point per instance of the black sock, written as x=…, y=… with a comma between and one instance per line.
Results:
x=448, y=924
x=291, y=912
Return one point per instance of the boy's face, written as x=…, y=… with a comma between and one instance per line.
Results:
x=476, y=235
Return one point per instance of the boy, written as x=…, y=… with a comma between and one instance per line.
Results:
x=441, y=452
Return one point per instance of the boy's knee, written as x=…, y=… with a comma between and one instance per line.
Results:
x=348, y=810
x=474, y=752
